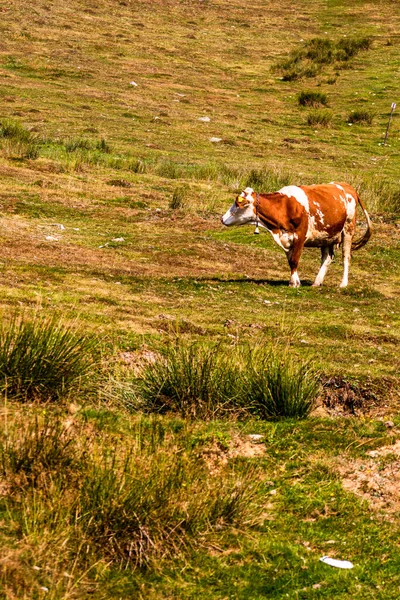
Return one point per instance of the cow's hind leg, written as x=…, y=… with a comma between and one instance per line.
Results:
x=347, y=237
x=327, y=253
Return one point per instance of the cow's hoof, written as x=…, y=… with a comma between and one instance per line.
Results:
x=316, y=284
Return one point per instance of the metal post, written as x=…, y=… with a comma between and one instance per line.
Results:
x=390, y=120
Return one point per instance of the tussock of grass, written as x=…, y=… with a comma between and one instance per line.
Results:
x=319, y=118
x=208, y=382
x=279, y=385
x=191, y=380
x=316, y=53
x=363, y=117
x=179, y=197
x=42, y=358
x=312, y=98
x=128, y=506
x=16, y=141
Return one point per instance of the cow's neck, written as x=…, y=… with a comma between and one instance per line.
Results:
x=268, y=210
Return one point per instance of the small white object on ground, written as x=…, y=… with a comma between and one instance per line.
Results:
x=133, y=83
x=255, y=437
x=59, y=226
x=334, y=562
x=51, y=238
x=215, y=140
x=205, y=119
x=118, y=240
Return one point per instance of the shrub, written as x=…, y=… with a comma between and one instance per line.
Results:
x=363, y=117
x=319, y=118
x=42, y=359
x=278, y=385
x=310, y=98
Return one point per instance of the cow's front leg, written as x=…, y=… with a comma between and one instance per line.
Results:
x=293, y=259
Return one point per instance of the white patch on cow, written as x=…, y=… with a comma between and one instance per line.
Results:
x=240, y=216
x=339, y=187
x=294, y=280
x=320, y=215
x=284, y=239
x=351, y=207
x=295, y=192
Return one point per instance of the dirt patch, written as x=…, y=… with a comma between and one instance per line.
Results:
x=343, y=397
x=376, y=478
x=217, y=456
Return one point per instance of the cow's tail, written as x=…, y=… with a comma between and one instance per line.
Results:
x=362, y=241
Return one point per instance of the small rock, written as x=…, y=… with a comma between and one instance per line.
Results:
x=273, y=492
x=205, y=119
x=133, y=83
x=255, y=437
x=51, y=238
x=215, y=140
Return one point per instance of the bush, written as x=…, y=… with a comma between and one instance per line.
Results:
x=42, y=359
x=278, y=385
x=310, y=98
x=319, y=118
x=362, y=117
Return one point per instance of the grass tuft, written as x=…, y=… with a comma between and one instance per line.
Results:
x=278, y=385
x=317, y=53
x=312, y=98
x=360, y=117
x=319, y=118
x=16, y=141
x=42, y=358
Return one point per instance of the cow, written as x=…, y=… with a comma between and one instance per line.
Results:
x=322, y=216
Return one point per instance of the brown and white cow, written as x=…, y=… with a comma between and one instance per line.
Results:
x=322, y=216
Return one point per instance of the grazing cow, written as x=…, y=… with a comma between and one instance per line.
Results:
x=322, y=216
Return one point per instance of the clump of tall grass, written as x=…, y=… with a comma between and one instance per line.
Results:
x=42, y=358
x=208, y=382
x=179, y=197
x=360, y=117
x=319, y=118
x=316, y=53
x=379, y=194
x=278, y=385
x=312, y=98
x=130, y=505
x=16, y=141
x=190, y=379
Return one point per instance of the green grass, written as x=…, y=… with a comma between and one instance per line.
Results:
x=87, y=158
x=42, y=359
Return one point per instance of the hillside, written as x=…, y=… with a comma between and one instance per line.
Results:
x=127, y=127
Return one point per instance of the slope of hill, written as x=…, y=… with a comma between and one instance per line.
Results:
x=126, y=129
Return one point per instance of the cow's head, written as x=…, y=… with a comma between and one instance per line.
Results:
x=242, y=210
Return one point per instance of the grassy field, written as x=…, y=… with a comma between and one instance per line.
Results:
x=127, y=128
